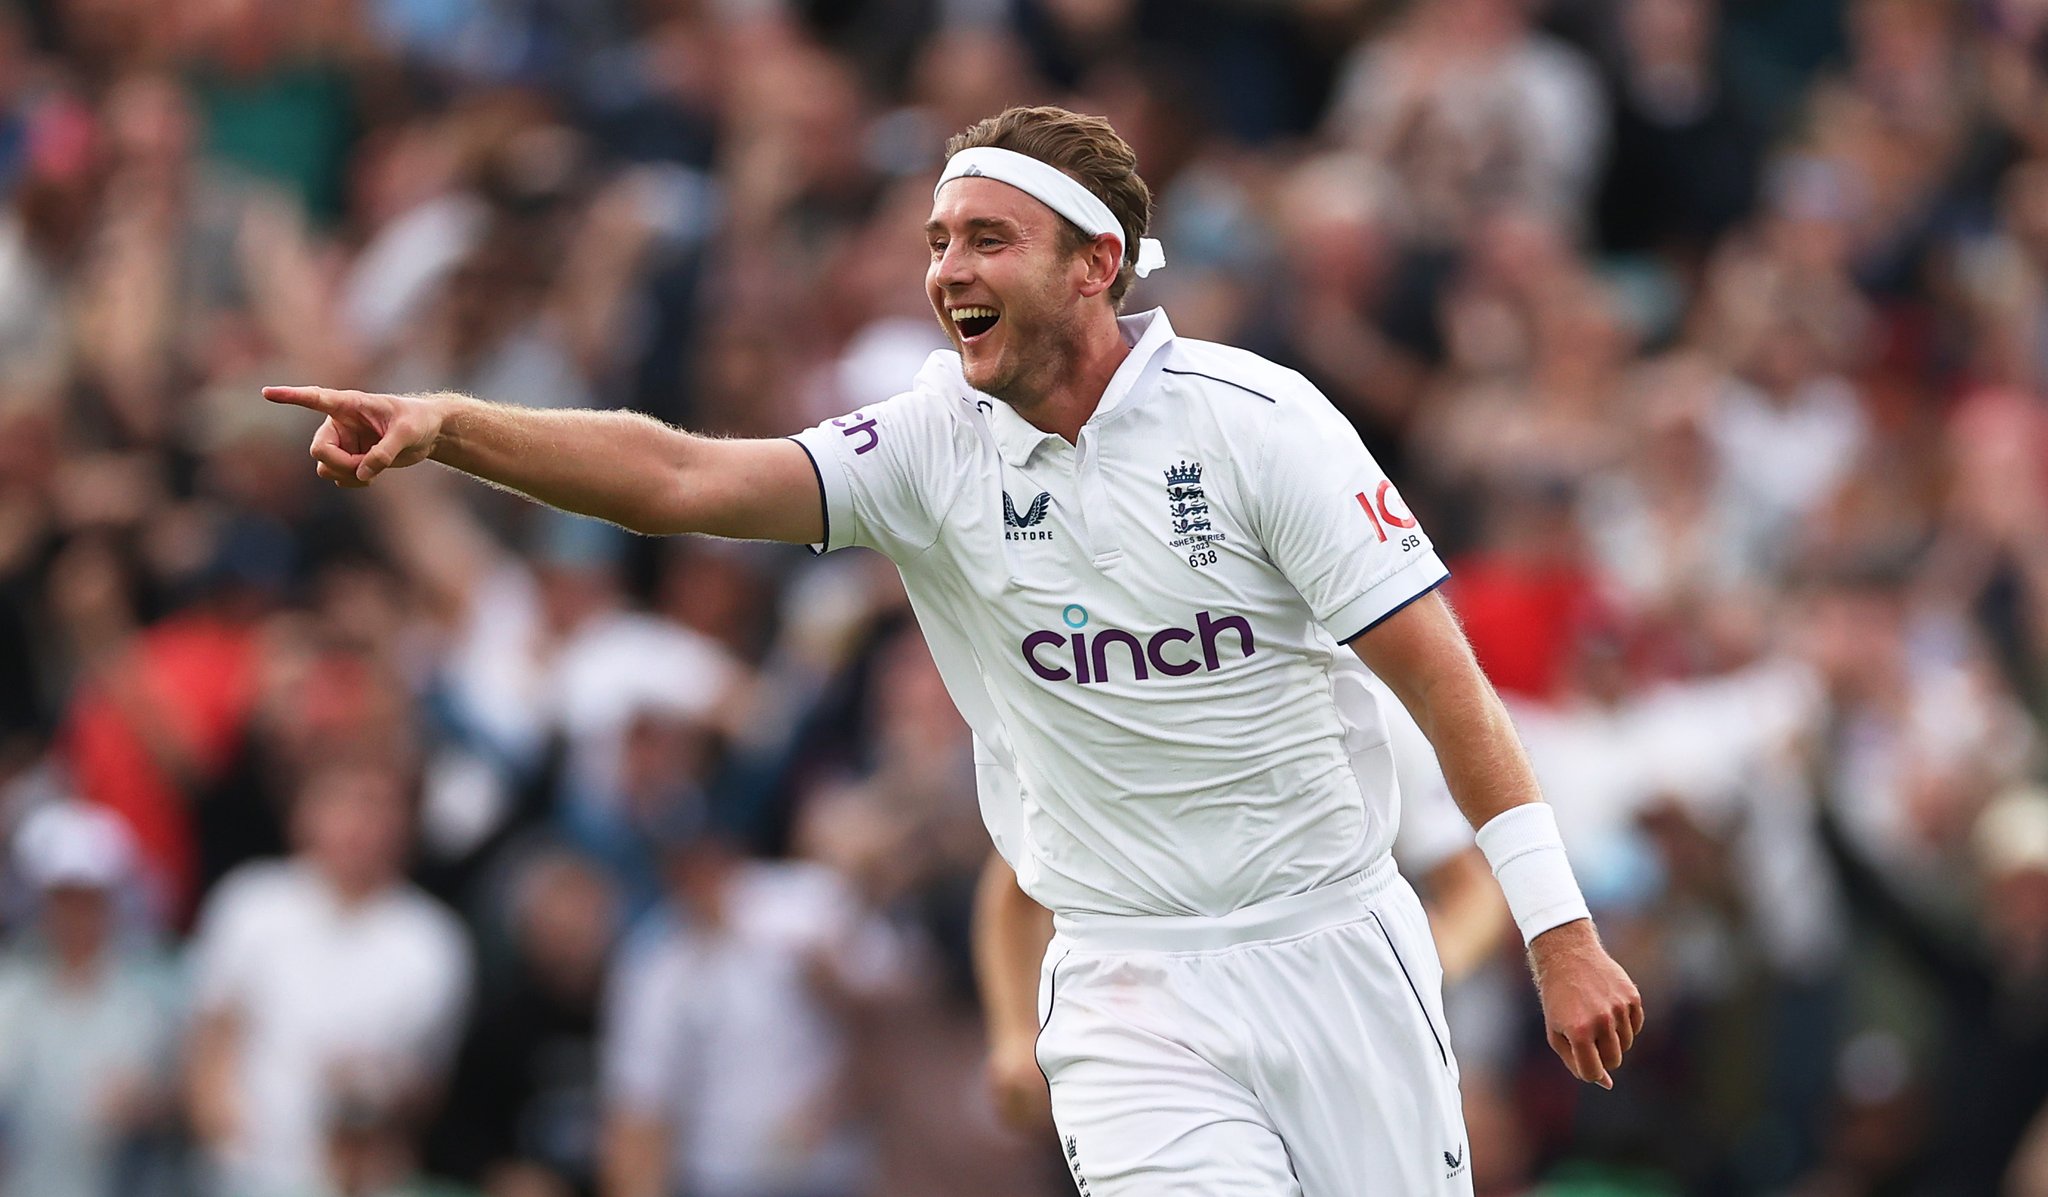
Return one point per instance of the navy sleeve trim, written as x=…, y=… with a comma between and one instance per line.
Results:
x=824, y=505
x=1225, y=381
x=1397, y=609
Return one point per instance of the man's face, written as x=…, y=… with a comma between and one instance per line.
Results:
x=76, y=918
x=353, y=824
x=998, y=252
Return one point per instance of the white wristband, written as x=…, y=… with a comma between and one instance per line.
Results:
x=1528, y=860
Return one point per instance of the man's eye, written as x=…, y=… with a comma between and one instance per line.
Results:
x=938, y=247
x=988, y=242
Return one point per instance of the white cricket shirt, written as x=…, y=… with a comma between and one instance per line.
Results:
x=1143, y=627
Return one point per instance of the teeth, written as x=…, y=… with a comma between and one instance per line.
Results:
x=960, y=314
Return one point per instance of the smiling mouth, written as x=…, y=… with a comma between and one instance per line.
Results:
x=974, y=322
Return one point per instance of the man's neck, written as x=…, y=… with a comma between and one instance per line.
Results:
x=1077, y=392
x=352, y=893
x=78, y=970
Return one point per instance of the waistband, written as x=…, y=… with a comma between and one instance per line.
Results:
x=1279, y=918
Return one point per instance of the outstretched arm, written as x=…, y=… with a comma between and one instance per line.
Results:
x=1590, y=1006
x=620, y=466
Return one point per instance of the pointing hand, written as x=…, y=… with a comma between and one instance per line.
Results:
x=365, y=434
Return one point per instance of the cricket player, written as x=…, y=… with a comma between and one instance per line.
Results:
x=1144, y=565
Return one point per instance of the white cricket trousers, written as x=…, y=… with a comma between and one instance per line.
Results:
x=1295, y=1048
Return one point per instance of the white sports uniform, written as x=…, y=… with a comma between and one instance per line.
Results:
x=1143, y=630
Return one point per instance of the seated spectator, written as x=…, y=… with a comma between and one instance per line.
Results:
x=312, y=973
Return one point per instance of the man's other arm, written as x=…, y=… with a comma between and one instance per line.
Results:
x=619, y=466
x=1010, y=934
x=1591, y=1008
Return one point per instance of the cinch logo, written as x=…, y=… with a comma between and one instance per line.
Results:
x=1049, y=653
x=858, y=424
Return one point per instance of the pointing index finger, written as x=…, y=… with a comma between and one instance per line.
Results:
x=318, y=399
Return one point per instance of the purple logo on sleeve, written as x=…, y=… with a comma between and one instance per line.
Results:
x=1168, y=651
x=866, y=427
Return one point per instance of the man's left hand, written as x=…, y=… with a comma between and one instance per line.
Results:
x=1591, y=1009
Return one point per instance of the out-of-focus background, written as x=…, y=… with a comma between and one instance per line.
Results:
x=420, y=841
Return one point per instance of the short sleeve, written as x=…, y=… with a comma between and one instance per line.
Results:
x=887, y=473
x=1334, y=524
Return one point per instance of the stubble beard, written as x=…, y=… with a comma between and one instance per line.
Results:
x=1038, y=361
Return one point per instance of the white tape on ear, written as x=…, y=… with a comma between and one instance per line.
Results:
x=1054, y=188
x=1527, y=855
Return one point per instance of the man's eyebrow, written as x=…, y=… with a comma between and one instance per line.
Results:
x=978, y=222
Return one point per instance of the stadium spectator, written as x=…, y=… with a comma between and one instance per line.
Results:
x=726, y=1044
x=87, y=1019
x=521, y=1113
x=1991, y=1064
x=317, y=975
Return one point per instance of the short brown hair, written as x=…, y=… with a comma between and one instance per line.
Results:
x=1085, y=147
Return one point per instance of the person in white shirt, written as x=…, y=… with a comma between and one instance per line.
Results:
x=725, y=1038
x=1137, y=559
x=314, y=978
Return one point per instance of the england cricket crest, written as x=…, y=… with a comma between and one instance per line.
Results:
x=1187, y=513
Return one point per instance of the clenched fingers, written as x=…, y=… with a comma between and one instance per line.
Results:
x=327, y=453
x=333, y=461
x=1582, y=1058
x=383, y=453
x=345, y=478
x=1590, y=1007
x=1608, y=1043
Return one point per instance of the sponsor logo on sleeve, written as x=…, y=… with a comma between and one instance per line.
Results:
x=1386, y=510
x=857, y=426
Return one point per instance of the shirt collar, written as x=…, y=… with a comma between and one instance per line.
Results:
x=1146, y=332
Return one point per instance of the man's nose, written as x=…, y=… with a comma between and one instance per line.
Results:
x=954, y=267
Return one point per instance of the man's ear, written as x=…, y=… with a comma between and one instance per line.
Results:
x=1103, y=258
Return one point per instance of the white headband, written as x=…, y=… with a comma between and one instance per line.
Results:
x=1054, y=188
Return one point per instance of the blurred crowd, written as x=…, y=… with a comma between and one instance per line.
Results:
x=421, y=841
